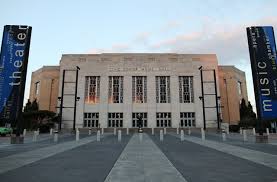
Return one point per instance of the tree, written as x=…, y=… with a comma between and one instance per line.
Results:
x=34, y=106
x=247, y=115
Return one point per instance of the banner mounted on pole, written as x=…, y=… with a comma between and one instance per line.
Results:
x=262, y=49
x=13, y=69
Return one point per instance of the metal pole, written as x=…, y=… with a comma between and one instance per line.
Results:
x=203, y=102
x=75, y=101
x=61, y=104
x=216, y=101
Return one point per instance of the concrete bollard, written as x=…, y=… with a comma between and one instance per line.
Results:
x=51, y=131
x=267, y=131
x=24, y=132
x=56, y=136
x=140, y=137
x=114, y=131
x=203, y=134
x=153, y=132
x=189, y=132
x=254, y=131
x=182, y=135
x=38, y=131
x=89, y=131
x=98, y=136
x=177, y=131
x=224, y=136
x=35, y=136
x=227, y=131
x=244, y=135
x=164, y=131
x=119, y=135
x=102, y=131
x=77, y=135
x=127, y=131
x=161, y=135
x=240, y=131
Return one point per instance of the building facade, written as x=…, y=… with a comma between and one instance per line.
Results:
x=44, y=87
x=232, y=84
x=114, y=89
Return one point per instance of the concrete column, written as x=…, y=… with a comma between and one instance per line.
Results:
x=165, y=131
x=244, y=135
x=153, y=132
x=51, y=131
x=177, y=131
x=254, y=131
x=127, y=130
x=119, y=135
x=89, y=131
x=267, y=131
x=189, y=131
x=24, y=132
x=77, y=135
x=56, y=136
x=102, y=131
x=224, y=136
x=98, y=136
x=114, y=131
x=161, y=135
x=203, y=134
x=182, y=135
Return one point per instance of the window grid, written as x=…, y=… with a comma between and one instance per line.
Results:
x=139, y=89
x=91, y=120
x=163, y=89
x=186, y=89
x=163, y=119
x=92, y=89
x=144, y=119
x=187, y=119
x=115, y=120
x=115, y=89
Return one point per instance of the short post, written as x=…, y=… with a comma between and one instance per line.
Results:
x=203, y=134
x=189, y=131
x=244, y=136
x=254, y=131
x=119, y=135
x=77, y=135
x=182, y=135
x=98, y=136
x=102, y=131
x=164, y=131
x=153, y=132
x=228, y=131
x=177, y=131
x=240, y=131
x=223, y=135
x=89, y=131
x=56, y=135
x=127, y=131
x=51, y=131
x=24, y=132
x=35, y=136
x=114, y=131
x=38, y=131
x=267, y=131
x=140, y=137
x=161, y=135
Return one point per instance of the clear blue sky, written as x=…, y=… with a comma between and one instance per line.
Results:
x=182, y=26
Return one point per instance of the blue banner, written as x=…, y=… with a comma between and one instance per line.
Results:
x=262, y=49
x=13, y=68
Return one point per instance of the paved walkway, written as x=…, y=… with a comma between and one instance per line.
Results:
x=143, y=161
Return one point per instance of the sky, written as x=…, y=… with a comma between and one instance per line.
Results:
x=159, y=26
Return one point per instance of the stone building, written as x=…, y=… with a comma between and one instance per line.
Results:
x=232, y=84
x=44, y=87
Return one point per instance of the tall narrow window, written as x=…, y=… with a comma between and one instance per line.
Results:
x=186, y=89
x=239, y=87
x=37, y=85
x=139, y=89
x=92, y=89
x=163, y=89
x=115, y=89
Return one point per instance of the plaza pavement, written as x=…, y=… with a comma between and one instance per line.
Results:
x=133, y=160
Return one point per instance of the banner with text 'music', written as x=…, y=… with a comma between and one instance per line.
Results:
x=13, y=69
x=262, y=49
